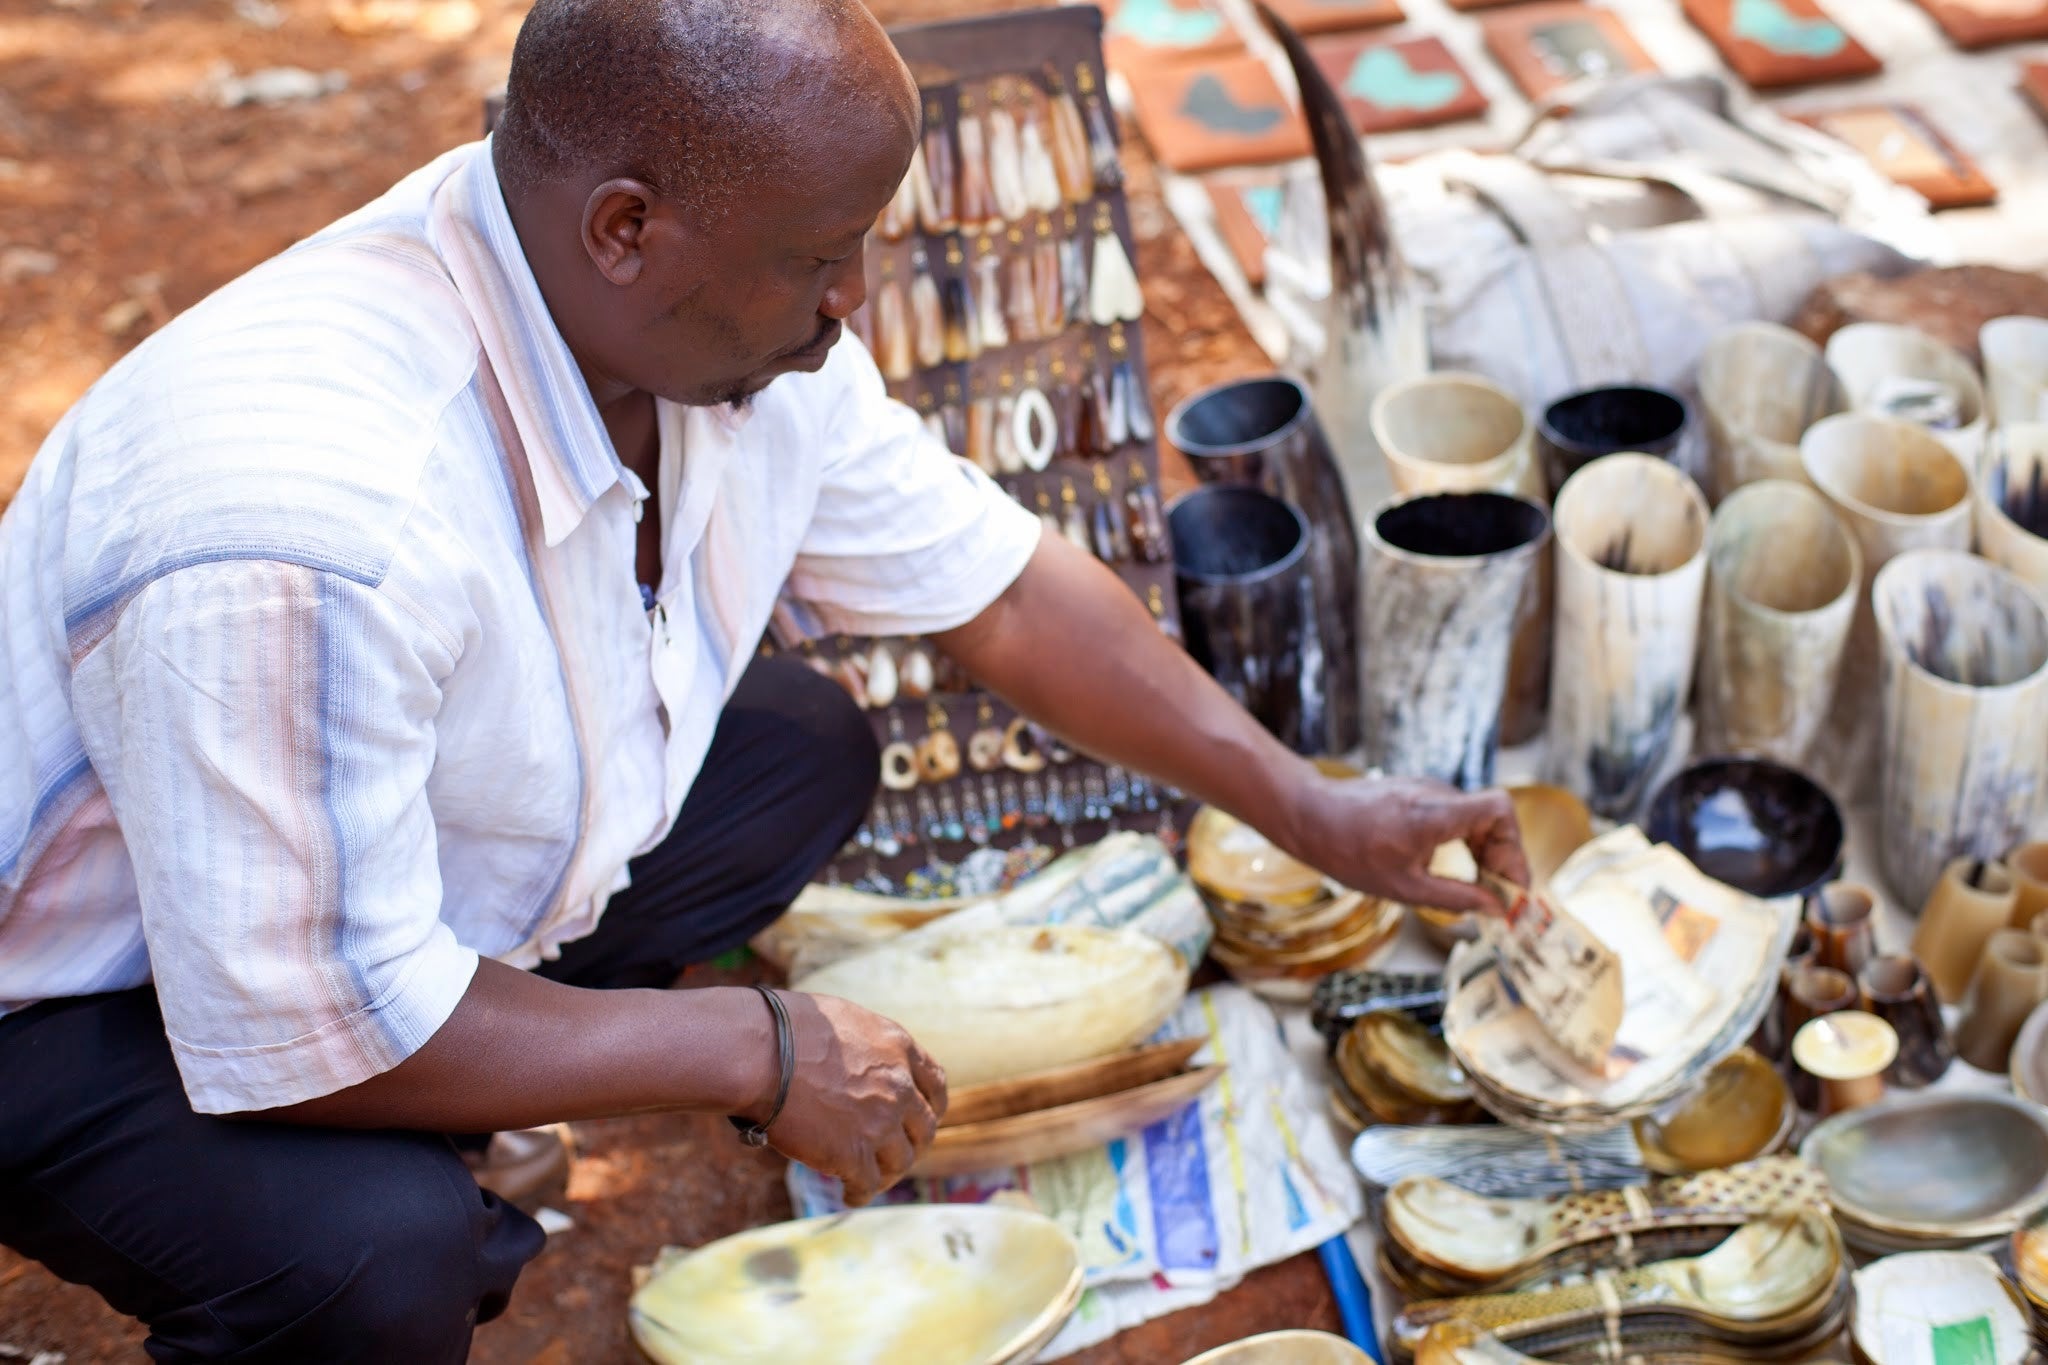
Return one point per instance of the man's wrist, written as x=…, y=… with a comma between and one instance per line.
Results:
x=735, y=1035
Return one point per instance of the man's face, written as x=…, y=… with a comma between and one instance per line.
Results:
x=762, y=291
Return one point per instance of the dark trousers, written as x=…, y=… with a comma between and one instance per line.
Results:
x=264, y=1242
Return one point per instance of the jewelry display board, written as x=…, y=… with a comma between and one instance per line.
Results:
x=1003, y=306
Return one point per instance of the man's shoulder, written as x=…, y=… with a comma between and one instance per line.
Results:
x=292, y=415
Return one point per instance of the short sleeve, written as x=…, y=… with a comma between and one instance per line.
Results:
x=264, y=733
x=906, y=538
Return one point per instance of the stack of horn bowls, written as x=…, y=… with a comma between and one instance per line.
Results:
x=1387, y=1068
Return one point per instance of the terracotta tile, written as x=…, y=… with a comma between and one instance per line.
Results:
x=1225, y=112
x=1247, y=208
x=1139, y=34
x=1781, y=42
x=1900, y=141
x=1407, y=83
x=1548, y=46
x=2034, y=85
x=1334, y=16
x=1983, y=23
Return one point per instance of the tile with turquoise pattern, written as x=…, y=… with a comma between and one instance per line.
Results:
x=1247, y=205
x=1547, y=47
x=1138, y=34
x=1337, y=16
x=1772, y=43
x=1985, y=23
x=1391, y=85
x=1221, y=111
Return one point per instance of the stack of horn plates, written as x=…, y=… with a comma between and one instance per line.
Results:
x=1933, y=1172
x=975, y=1283
x=1069, y=1109
x=1700, y=962
x=1776, y=1289
x=1281, y=926
x=1437, y=1241
x=1390, y=1069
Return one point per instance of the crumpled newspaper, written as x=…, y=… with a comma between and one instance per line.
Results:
x=1248, y=1174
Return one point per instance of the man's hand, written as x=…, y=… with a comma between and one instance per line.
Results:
x=865, y=1100
x=1377, y=834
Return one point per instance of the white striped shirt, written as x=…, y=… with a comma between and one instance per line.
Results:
x=326, y=669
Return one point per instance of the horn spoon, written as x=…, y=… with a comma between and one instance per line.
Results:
x=1765, y=1273
x=1487, y=1239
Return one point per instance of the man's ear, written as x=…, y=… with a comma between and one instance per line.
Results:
x=615, y=220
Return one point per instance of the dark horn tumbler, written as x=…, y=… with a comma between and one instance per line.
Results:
x=1241, y=571
x=1263, y=432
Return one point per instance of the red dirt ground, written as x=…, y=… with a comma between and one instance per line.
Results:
x=127, y=193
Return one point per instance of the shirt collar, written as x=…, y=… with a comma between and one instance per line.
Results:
x=566, y=444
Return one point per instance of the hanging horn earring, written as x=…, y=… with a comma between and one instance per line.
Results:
x=1143, y=518
x=954, y=414
x=1005, y=161
x=1008, y=460
x=938, y=753
x=1046, y=516
x=899, y=760
x=995, y=332
x=977, y=207
x=1156, y=604
x=940, y=212
x=901, y=214
x=1065, y=403
x=963, y=331
x=1113, y=294
x=1095, y=434
x=985, y=745
x=1072, y=524
x=1116, y=424
x=1101, y=135
x=1128, y=390
x=1050, y=316
x=1073, y=272
x=892, y=326
x=1034, y=431
x=914, y=672
x=1020, y=297
x=1041, y=177
x=1069, y=138
x=882, y=676
x=850, y=672
x=927, y=314
x=1021, y=753
x=981, y=434
x=1106, y=523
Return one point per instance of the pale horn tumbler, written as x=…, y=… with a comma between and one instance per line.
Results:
x=1631, y=566
x=1782, y=578
x=1964, y=673
x=1444, y=575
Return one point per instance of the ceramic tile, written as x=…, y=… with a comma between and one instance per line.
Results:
x=1899, y=140
x=1334, y=16
x=1781, y=42
x=1389, y=86
x=2034, y=85
x=1225, y=112
x=1138, y=34
x=1546, y=47
x=1982, y=23
x=1247, y=213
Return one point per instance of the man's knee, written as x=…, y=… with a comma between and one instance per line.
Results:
x=404, y=1272
x=840, y=760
